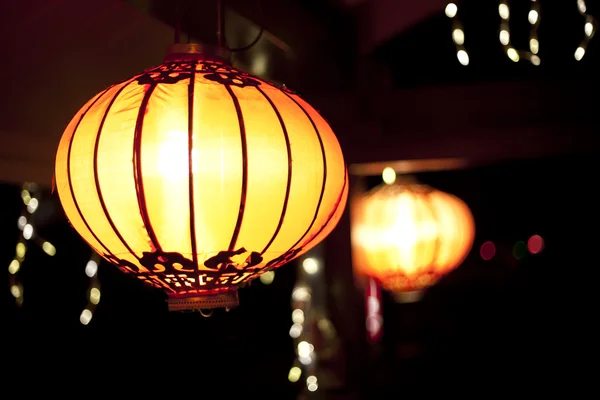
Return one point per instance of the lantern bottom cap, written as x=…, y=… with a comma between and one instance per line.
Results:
x=408, y=297
x=226, y=300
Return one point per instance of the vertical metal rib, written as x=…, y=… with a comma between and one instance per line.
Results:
x=289, y=173
x=96, y=178
x=238, y=224
x=137, y=168
x=107, y=251
x=191, y=160
x=324, y=158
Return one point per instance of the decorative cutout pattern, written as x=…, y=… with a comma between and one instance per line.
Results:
x=175, y=71
x=179, y=275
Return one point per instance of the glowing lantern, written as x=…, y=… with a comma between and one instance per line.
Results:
x=407, y=235
x=196, y=177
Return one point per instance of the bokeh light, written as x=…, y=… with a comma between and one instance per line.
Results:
x=389, y=175
x=535, y=244
x=487, y=250
x=267, y=278
x=519, y=250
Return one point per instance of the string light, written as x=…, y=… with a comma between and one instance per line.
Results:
x=388, y=175
x=504, y=34
x=300, y=333
x=301, y=330
x=30, y=195
x=93, y=293
x=458, y=34
x=267, y=278
x=588, y=29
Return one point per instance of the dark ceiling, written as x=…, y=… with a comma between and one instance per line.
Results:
x=383, y=72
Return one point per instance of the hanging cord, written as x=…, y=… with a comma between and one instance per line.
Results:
x=221, y=39
x=251, y=44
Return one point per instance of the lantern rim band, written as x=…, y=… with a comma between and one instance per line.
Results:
x=197, y=52
x=228, y=299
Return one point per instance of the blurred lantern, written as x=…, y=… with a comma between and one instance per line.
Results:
x=196, y=177
x=407, y=235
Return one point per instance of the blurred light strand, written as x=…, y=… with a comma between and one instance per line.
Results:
x=589, y=28
x=504, y=34
x=458, y=34
x=93, y=292
x=300, y=331
x=30, y=195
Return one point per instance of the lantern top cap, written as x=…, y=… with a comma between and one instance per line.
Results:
x=197, y=52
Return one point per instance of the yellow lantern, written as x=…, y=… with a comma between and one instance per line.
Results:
x=407, y=235
x=196, y=177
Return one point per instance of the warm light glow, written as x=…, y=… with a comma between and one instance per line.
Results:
x=14, y=267
x=388, y=175
x=504, y=37
x=513, y=54
x=451, y=10
x=294, y=374
x=458, y=36
x=535, y=244
x=463, y=57
x=195, y=177
x=28, y=231
x=21, y=250
x=534, y=45
x=85, y=317
x=310, y=265
x=49, y=248
x=533, y=16
x=268, y=277
x=305, y=349
x=503, y=11
x=408, y=235
x=296, y=330
x=301, y=294
x=298, y=316
x=95, y=295
x=588, y=28
x=16, y=291
x=32, y=205
x=91, y=268
x=173, y=156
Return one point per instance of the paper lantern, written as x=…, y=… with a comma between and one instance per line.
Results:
x=196, y=177
x=407, y=235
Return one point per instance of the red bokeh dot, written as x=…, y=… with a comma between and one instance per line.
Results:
x=535, y=244
x=487, y=250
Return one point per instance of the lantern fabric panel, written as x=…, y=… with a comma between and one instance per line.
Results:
x=217, y=180
x=196, y=177
x=116, y=186
x=408, y=235
x=160, y=155
x=452, y=253
x=267, y=193
x=63, y=179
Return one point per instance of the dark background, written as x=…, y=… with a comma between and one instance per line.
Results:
x=529, y=135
